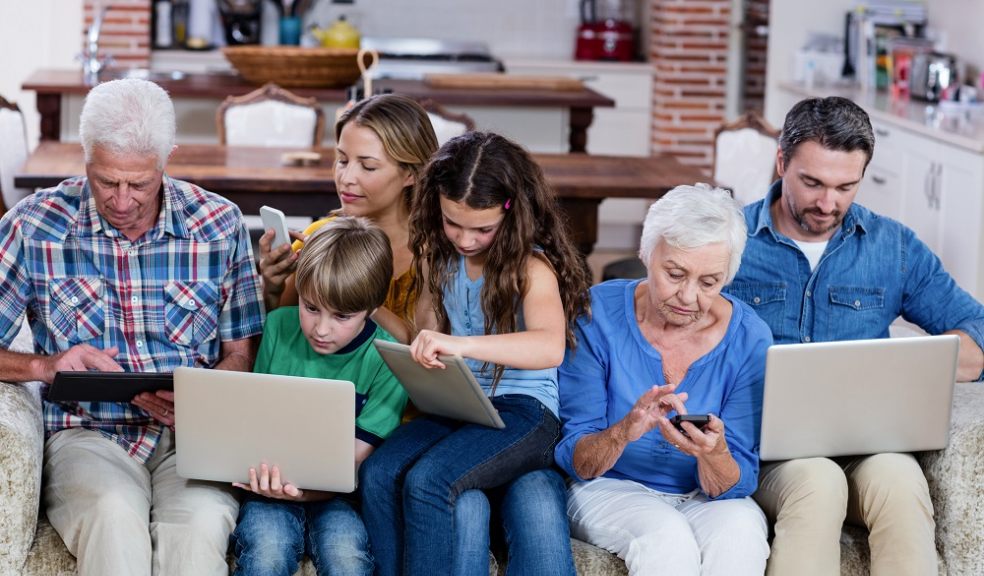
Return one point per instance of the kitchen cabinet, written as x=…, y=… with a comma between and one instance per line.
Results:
x=937, y=189
x=882, y=184
x=620, y=131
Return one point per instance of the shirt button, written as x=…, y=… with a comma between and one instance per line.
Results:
x=192, y=303
x=809, y=293
x=134, y=299
x=857, y=304
x=139, y=343
x=806, y=339
x=75, y=299
x=756, y=300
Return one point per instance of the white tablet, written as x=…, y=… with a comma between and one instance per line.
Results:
x=452, y=392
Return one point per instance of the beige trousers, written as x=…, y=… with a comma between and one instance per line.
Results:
x=810, y=499
x=118, y=516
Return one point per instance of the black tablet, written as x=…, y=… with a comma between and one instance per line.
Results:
x=106, y=386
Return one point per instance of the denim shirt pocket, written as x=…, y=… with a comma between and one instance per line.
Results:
x=77, y=311
x=853, y=309
x=767, y=299
x=191, y=312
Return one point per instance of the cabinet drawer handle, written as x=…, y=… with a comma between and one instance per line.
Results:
x=878, y=180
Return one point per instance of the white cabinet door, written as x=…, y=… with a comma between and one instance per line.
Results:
x=944, y=204
x=881, y=189
x=961, y=191
x=921, y=202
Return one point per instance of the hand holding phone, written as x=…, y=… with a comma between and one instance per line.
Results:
x=273, y=218
x=698, y=420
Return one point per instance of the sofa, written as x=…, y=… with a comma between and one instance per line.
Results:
x=29, y=546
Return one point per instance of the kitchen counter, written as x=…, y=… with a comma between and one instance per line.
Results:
x=947, y=127
x=52, y=86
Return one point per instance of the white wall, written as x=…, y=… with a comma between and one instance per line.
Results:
x=960, y=21
x=36, y=34
x=790, y=22
x=538, y=28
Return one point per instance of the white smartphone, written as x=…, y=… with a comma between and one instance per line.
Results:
x=273, y=218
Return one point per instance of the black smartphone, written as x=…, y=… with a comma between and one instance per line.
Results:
x=698, y=420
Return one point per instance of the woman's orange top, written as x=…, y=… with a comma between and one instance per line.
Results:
x=401, y=300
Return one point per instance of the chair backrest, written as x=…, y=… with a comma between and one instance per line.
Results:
x=446, y=124
x=270, y=116
x=745, y=156
x=13, y=153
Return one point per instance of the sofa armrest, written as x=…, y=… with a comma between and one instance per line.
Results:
x=21, y=449
x=955, y=485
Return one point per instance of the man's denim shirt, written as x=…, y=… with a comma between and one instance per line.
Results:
x=873, y=270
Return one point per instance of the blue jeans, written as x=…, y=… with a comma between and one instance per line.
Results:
x=273, y=535
x=410, y=484
x=533, y=510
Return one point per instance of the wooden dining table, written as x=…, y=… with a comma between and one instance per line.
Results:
x=255, y=176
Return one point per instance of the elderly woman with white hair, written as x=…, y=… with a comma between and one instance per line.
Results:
x=669, y=500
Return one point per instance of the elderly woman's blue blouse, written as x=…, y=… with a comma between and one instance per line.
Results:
x=613, y=365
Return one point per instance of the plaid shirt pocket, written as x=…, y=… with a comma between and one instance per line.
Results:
x=191, y=314
x=76, y=309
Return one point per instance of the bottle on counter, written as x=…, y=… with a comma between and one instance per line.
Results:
x=201, y=24
x=179, y=22
x=163, y=37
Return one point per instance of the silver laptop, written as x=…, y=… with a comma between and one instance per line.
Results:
x=858, y=397
x=452, y=392
x=227, y=422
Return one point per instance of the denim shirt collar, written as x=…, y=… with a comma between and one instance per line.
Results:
x=856, y=220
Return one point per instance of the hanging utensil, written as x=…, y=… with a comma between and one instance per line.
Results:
x=367, y=69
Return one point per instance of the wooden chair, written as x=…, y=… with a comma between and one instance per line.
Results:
x=744, y=162
x=273, y=117
x=446, y=124
x=745, y=156
x=270, y=116
x=13, y=153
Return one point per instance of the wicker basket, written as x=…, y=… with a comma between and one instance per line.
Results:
x=295, y=67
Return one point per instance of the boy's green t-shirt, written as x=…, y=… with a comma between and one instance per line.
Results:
x=379, y=397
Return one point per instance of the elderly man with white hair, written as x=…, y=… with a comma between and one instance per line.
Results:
x=668, y=500
x=128, y=269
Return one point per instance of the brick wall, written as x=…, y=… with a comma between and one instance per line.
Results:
x=125, y=31
x=756, y=14
x=688, y=46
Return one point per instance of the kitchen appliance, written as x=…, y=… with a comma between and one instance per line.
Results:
x=241, y=21
x=933, y=76
x=413, y=58
x=869, y=31
x=609, y=37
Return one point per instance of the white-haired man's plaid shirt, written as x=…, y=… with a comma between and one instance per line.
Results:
x=166, y=300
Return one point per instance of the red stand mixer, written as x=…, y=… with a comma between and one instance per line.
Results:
x=606, y=38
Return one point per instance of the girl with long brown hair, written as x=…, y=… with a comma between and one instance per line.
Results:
x=499, y=283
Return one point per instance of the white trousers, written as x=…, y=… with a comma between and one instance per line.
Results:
x=669, y=534
x=118, y=516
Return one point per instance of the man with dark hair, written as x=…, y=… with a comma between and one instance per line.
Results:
x=818, y=267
